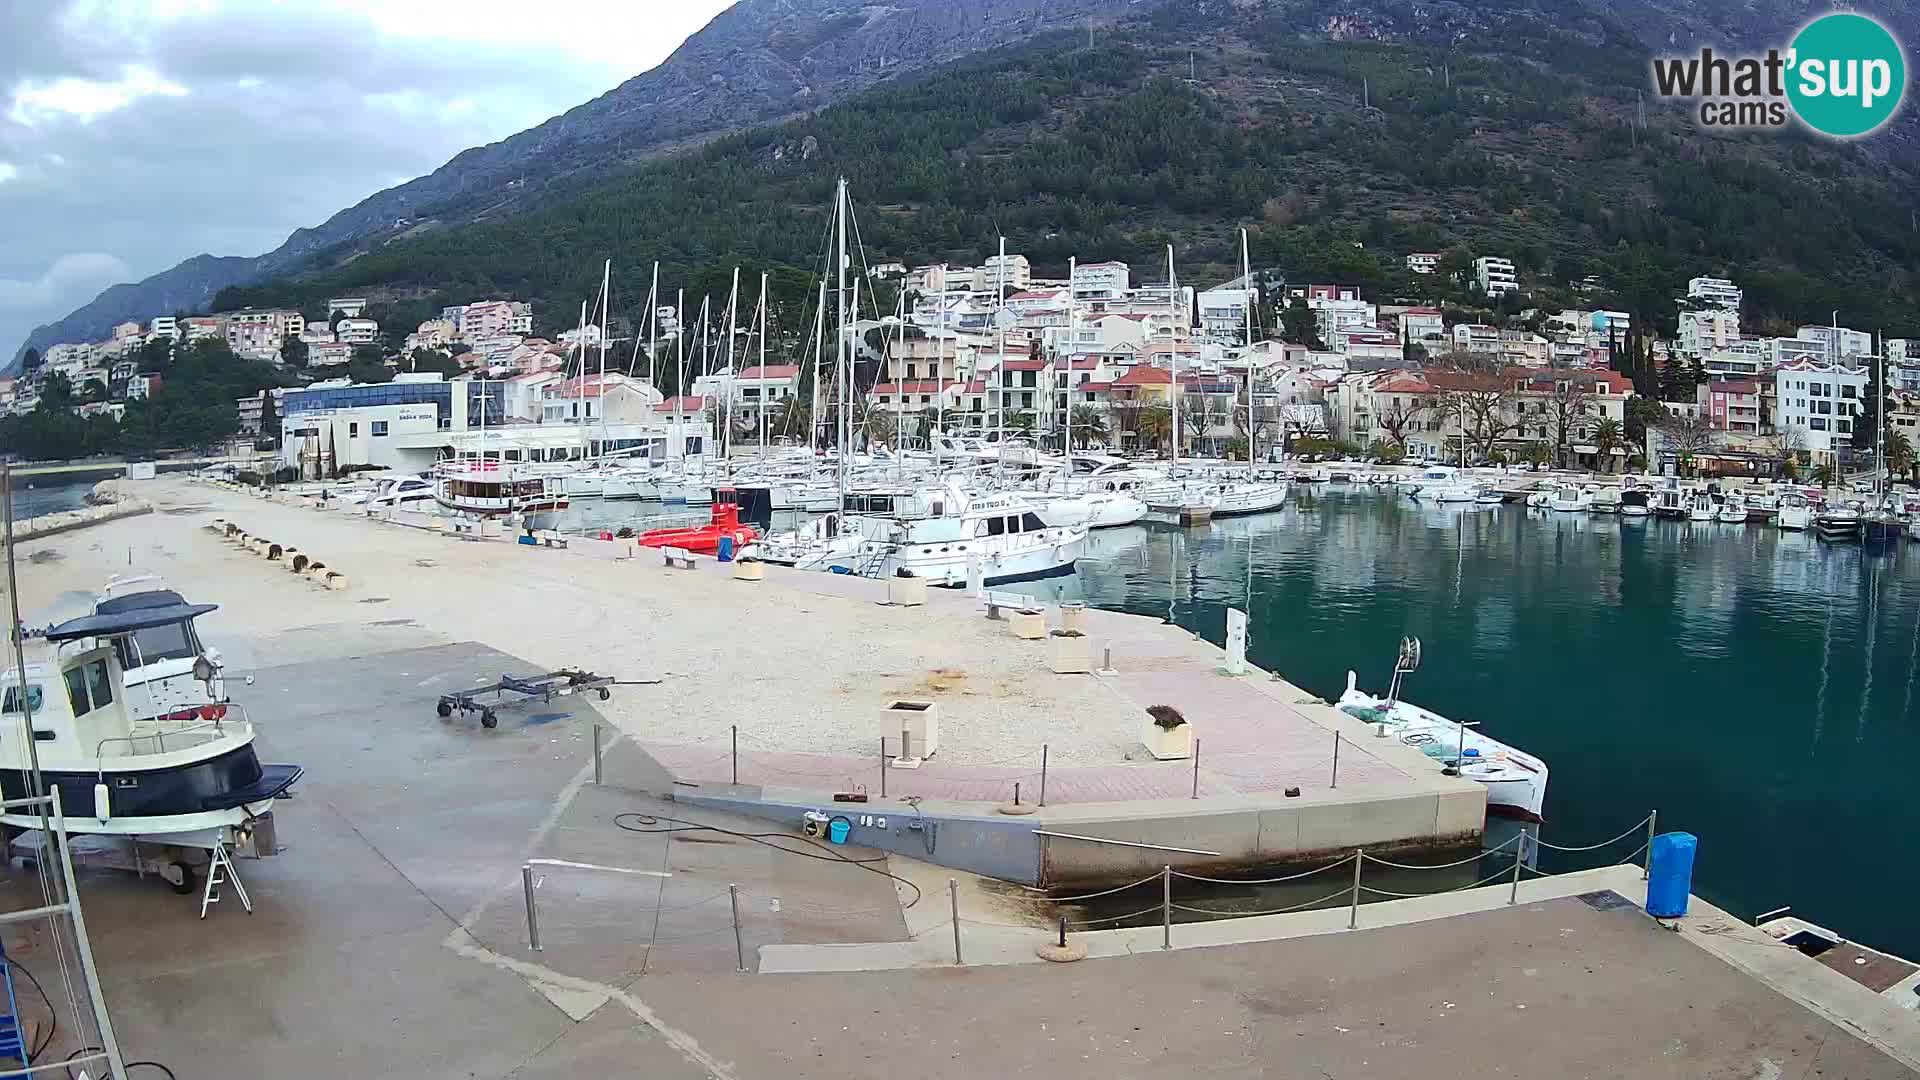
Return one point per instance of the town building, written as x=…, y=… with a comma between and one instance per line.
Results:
x=357, y=331
x=1424, y=262
x=1225, y=311
x=1424, y=326
x=163, y=326
x=348, y=306
x=1003, y=272
x=203, y=327
x=1839, y=342
x=142, y=387
x=1733, y=406
x=495, y=318
x=1477, y=338
x=1102, y=281
x=1708, y=329
x=1495, y=276
x=1821, y=401
x=1714, y=292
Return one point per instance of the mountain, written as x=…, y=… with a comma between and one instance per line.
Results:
x=759, y=60
x=1548, y=117
x=1341, y=143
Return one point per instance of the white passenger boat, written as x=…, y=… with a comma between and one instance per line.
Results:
x=1796, y=513
x=492, y=489
x=188, y=782
x=1604, y=499
x=1516, y=782
x=1634, y=504
x=1670, y=499
x=400, y=493
x=1443, y=484
x=1093, y=510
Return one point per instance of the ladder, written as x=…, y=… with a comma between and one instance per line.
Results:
x=13, y=1038
x=220, y=872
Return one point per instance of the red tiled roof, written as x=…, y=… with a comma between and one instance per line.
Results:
x=977, y=386
x=926, y=386
x=1145, y=375
x=1025, y=363
x=771, y=371
x=688, y=403
x=1401, y=382
x=1423, y=311
x=1083, y=363
x=1091, y=387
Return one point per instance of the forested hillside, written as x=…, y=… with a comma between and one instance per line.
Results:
x=1339, y=155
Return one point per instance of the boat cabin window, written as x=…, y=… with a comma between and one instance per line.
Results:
x=35, y=695
x=1031, y=523
x=175, y=641
x=529, y=487
x=89, y=686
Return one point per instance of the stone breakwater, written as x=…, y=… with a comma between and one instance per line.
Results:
x=108, y=501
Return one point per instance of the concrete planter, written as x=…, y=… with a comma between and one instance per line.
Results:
x=1027, y=625
x=749, y=571
x=1073, y=616
x=1069, y=652
x=915, y=722
x=1165, y=745
x=906, y=591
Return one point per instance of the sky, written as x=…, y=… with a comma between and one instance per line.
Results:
x=137, y=133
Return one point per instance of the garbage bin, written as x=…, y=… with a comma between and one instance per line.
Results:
x=1670, y=874
x=725, y=552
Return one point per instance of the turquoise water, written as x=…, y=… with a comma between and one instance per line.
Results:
x=38, y=499
x=1755, y=686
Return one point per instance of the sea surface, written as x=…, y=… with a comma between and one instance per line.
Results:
x=1756, y=687
x=33, y=500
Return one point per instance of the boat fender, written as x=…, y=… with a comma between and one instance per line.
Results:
x=102, y=803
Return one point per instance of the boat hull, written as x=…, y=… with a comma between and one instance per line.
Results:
x=216, y=793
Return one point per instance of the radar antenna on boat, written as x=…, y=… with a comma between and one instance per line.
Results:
x=1405, y=664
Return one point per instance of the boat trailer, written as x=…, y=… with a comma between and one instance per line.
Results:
x=545, y=687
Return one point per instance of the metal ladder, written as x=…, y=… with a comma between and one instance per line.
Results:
x=13, y=1037
x=221, y=871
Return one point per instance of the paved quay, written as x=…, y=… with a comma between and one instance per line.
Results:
x=390, y=938
x=804, y=665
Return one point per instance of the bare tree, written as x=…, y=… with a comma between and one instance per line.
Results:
x=1477, y=393
x=1688, y=435
x=1785, y=443
x=1401, y=418
x=1567, y=410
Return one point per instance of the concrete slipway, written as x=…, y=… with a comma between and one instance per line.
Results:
x=390, y=939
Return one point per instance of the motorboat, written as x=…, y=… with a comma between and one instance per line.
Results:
x=943, y=535
x=1700, y=507
x=1489, y=496
x=190, y=782
x=723, y=528
x=1516, y=782
x=1540, y=499
x=610, y=481
x=1569, y=499
x=399, y=493
x=1604, y=500
x=1443, y=484
x=1796, y=513
x=1094, y=509
x=1884, y=524
x=1733, y=511
x=158, y=662
x=488, y=488
x=1670, y=499
x=1231, y=498
x=1893, y=978
x=1837, y=521
x=1634, y=504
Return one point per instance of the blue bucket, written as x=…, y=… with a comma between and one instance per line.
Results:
x=837, y=830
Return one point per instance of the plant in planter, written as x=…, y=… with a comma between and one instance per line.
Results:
x=1167, y=734
x=1069, y=652
x=906, y=590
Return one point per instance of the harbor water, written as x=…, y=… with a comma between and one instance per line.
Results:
x=31, y=500
x=1756, y=687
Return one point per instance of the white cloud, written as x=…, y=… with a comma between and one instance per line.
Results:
x=84, y=99
x=8, y=171
x=68, y=274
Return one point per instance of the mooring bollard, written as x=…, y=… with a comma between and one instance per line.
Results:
x=1043, y=774
x=596, y=754
x=739, y=949
x=1335, y=782
x=953, y=897
x=1166, y=907
x=533, y=919
x=1353, y=910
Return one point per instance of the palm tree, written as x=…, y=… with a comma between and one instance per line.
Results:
x=881, y=427
x=1089, y=426
x=1900, y=459
x=1823, y=474
x=1607, y=437
x=795, y=418
x=1154, y=424
x=929, y=420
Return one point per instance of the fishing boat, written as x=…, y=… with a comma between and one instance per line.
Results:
x=723, y=526
x=1796, y=513
x=158, y=663
x=190, y=782
x=1670, y=499
x=1516, y=782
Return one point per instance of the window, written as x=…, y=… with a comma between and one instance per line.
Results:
x=35, y=695
x=1846, y=391
x=1845, y=427
x=100, y=683
x=77, y=690
x=379, y=429
x=353, y=430
x=996, y=526
x=174, y=641
x=1816, y=424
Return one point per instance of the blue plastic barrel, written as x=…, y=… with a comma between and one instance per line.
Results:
x=725, y=553
x=1670, y=874
x=837, y=830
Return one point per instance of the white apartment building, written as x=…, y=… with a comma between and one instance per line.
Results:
x=1714, y=292
x=357, y=331
x=1224, y=311
x=1495, y=276
x=202, y=327
x=127, y=331
x=1820, y=400
x=1102, y=281
x=349, y=306
x=1003, y=272
x=1332, y=316
x=141, y=387
x=1708, y=329
x=930, y=279
x=1741, y=359
x=1839, y=342
x=1423, y=262
x=1477, y=338
x=163, y=326
x=68, y=360
x=1790, y=350
x=1422, y=325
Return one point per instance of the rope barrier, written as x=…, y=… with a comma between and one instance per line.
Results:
x=1113, y=918
x=1098, y=895
x=1276, y=911
x=1263, y=881
x=1595, y=847
x=1495, y=876
x=1441, y=866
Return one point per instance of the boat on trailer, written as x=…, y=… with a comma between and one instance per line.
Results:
x=158, y=663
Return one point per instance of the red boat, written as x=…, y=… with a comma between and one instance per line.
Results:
x=705, y=539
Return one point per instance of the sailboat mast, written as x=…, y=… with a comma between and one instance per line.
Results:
x=1000, y=369
x=815, y=434
x=900, y=411
x=1880, y=476
x=606, y=327
x=680, y=369
x=840, y=326
x=733, y=375
x=1246, y=286
x=653, y=323
x=940, y=374
x=1073, y=331
x=1173, y=352
x=761, y=398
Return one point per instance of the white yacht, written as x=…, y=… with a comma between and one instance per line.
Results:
x=1635, y=503
x=1604, y=499
x=1796, y=513
x=1093, y=509
x=1443, y=484
x=1733, y=511
x=1670, y=500
x=936, y=533
x=1569, y=499
x=1700, y=507
x=1516, y=782
x=188, y=782
x=158, y=662
x=400, y=493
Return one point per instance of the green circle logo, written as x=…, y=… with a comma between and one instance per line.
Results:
x=1846, y=75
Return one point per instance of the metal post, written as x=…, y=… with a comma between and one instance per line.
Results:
x=1166, y=907
x=1196, y=769
x=1335, y=782
x=596, y=754
x=109, y=1042
x=1646, y=866
x=1353, y=908
x=883, y=766
x=736, y=755
x=1519, y=863
x=739, y=950
x=1016, y=793
x=1063, y=931
x=953, y=898
x=1043, y=774
x=533, y=919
